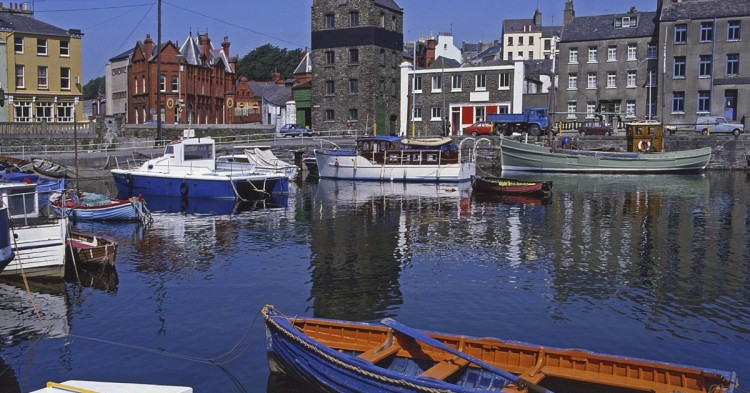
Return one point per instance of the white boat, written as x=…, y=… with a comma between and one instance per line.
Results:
x=6, y=247
x=259, y=158
x=392, y=158
x=188, y=169
x=109, y=387
x=38, y=242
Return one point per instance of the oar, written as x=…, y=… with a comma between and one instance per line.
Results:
x=417, y=335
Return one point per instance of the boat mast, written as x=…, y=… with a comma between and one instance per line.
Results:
x=158, y=76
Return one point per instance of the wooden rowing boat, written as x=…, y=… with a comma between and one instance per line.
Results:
x=343, y=356
x=90, y=251
x=50, y=168
x=505, y=186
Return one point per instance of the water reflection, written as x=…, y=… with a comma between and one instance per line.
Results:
x=213, y=206
x=361, y=240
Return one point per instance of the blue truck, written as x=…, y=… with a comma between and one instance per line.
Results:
x=533, y=121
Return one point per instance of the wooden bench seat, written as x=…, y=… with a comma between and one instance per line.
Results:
x=445, y=368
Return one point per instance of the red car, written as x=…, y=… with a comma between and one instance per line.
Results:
x=480, y=128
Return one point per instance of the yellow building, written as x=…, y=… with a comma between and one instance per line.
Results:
x=42, y=63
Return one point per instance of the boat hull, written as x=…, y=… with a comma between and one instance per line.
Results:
x=6, y=247
x=500, y=186
x=527, y=157
x=133, y=183
x=118, y=210
x=343, y=356
x=91, y=251
x=39, y=250
x=344, y=166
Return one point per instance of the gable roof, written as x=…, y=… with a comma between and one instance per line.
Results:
x=519, y=26
x=602, y=27
x=304, y=66
x=272, y=92
x=191, y=50
x=25, y=23
x=704, y=9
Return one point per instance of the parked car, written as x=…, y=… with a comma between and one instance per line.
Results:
x=479, y=128
x=295, y=130
x=711, y=124
x=595, y=127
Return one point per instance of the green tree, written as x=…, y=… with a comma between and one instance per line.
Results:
x=93, y=87
x=262, y=61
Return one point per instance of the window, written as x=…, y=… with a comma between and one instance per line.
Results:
x=572, y=81
x=704, y=101
x=632, y=51
x=330, y=88
x=353, y=114
x=330, y=21
x=590, y=108
x=22, y=111
x=394, y=23
x=64, y=78
x=65, y=48
x=382, y=57
x=510, y=40
x=417, y=113
x=612, y=53
x=330, y=115
x=571, y=109
x=436, y=113
x=520, y=40
x=510, y=56
x=43, y=111
x=381, y=86
x=418, y=84
x=163, y=83
x=353, y=56
x=651, y=51
x=680, y=34
x=630, y=82
x=481, y=82
x=733, y=30
x=456, y=82
x=330, y=58
x=592, y=54
x=354, y=86
x=381, y=22
x=353, y=19
x=611, y=79
x=531, y=55
x=679, y=67
x=573, y=56
x=504, y=80
x=591, y=81
x=175, y=83
x=547, y=44
x=678, y=102
x=630, y=108
x=707, y=31
x=733, y=64
x=395, y=59
x=531, y=40
x=41, y=77
x=20, y=83
x=18, y=44
x=704, y=66
x=437, y=83
x=41, y=46
x=65, y=112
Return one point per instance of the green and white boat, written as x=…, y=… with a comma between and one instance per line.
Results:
x=644, y=155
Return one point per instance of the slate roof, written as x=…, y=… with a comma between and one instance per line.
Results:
x=272, y=92
x=191, y=50
x=705, y=9
x=449, y=63
x=551, y=31
x=390, y=4
x=517, y=26
x=123, y=55
x=602, y=27
x=23, y=23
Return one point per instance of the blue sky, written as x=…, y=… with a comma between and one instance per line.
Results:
x=112, y=27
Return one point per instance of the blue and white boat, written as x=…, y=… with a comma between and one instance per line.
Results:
x=6, y=247
x=38, y=242
x=188, y=169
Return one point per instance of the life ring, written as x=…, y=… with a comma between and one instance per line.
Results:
x=170, y=103
x=184, y=188
x=644, y=146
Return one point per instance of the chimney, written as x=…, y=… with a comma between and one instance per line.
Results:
x=275, y=76
x=225, y=46
x=429, y=56
x=149, y=45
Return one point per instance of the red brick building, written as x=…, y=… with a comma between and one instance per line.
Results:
x=197, y=82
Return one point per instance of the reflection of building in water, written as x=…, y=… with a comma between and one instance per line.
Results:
x=361, y=237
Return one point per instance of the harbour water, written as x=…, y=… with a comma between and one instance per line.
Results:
x=656, y=267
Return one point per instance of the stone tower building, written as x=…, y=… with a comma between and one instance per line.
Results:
x=356, y=54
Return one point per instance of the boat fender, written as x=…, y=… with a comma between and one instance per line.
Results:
x=184, y=189
x=336, y=163
x=644, y=146
x=129, y=178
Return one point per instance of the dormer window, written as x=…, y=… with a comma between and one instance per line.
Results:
x=626, y=21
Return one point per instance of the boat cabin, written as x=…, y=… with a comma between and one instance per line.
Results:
x=191, y=152
x=397, y=150
x=644, y=137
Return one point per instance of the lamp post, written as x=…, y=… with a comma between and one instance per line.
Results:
x=75, y=139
